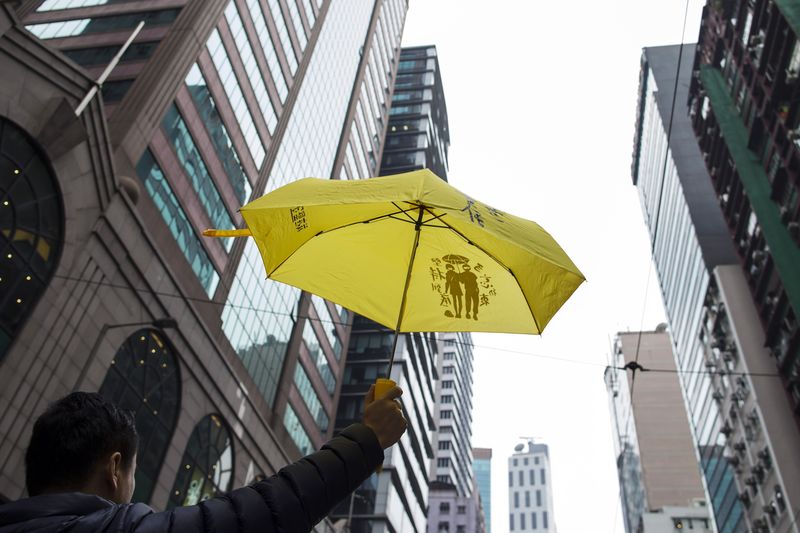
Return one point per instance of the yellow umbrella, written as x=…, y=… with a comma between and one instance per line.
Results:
x=411, y=252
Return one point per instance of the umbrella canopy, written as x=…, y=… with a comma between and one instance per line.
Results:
x=411, y=252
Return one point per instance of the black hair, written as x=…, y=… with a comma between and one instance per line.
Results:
x=71, y=436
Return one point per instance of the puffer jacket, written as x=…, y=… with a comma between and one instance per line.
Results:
x=293, y=500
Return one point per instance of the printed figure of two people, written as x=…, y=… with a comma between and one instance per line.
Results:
x=452, y=286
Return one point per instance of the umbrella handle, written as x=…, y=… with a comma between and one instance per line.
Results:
x=245, y=232
x=382, y=386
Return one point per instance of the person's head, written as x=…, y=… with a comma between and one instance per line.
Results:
x=83, y=443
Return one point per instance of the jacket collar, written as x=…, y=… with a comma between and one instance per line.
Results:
x=55, y=504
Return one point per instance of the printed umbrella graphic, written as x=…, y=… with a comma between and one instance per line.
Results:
x=411, y=252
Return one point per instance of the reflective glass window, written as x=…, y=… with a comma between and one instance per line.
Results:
x=31, y=228
x=298, y=24
x=102, y=55
x=283, y=33
x=310, y=397
x=257, y=320
x=144, y=378
x=114, y=91
x=268, y=47
x=206, y=468
x=251, y=66
x=318, y=356
x=226, y=151
x=195, y=168
x=75, y=27
x=235, y=97
x=296, y=431
x=182, y=231
x=52, y=5
x=328, y=325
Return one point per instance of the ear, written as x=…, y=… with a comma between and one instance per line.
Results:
x=114, y=471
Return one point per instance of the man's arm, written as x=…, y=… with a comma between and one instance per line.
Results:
x=303, y=493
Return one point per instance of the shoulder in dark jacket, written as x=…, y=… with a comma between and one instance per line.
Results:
x=293, y=500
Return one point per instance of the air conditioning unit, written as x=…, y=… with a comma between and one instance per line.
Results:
x=717, y=396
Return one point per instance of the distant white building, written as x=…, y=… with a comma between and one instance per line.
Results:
x=672, y=519
x=530, y=497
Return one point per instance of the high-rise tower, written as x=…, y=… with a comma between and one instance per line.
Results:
x=530, y=496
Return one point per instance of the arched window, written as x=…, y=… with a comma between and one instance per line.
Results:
x=206, y=469
x=31, y=228
x=145, y=379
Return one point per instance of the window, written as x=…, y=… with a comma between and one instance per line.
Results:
x=143, y=378
x=156, y=185
x=220, y=138
x=443, y=462
x=449, y=342
x=516, y=500
x=538, y=498
x=536, y=460
x=525, y=461
x=318, y=356
x=444, y=526
x=533, y=520
x=444, y=508
x=328, y=325
x=444, y=445
x=521, y=478
x=511, y=479
x=527, y=498
x=296, y=430
x=310, y=397
x=206, y=469
x=462, y=509
x=448, y=370
x=447, y=399
x=522, y=520
x=511, y=522
x=544, y=519
x=31, y=228
x=195, y=169
x=447, y=384
x=461, y=529
x=75, y=27
x=541, y=476
x=514, y=462
x=102, y=55
x=532, y=477
x=447, y=414
x=449, y=356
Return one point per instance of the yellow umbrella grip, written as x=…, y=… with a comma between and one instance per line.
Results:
x=382, y=386
x=244, y=232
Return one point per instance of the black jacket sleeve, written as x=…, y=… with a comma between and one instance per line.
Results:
x=292, y=501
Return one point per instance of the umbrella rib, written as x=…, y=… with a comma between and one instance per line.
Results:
x=405, y=212
x=454, y=230
x=381, y=217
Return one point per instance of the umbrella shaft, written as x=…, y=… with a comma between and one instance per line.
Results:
x=391, y=356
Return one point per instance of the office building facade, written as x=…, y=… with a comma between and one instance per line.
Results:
x=451, y=512
x=396, y=498
x=694, y=250
x=656, y=462
x=482, y=468
x=530, y=495
x=213, y=104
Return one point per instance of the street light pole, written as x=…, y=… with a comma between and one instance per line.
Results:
x=161, y=323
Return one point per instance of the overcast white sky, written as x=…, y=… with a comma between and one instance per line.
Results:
x=541, y=97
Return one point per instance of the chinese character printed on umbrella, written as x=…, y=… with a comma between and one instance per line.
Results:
x=476, y=210
x=298, y=217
